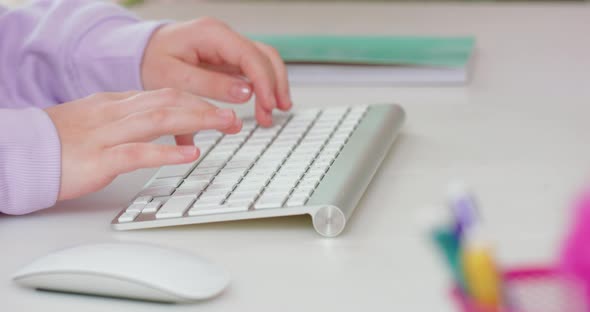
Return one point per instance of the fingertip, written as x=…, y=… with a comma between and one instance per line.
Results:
x=235, y=128
x=238, y=125
x=226, y=117
x=264, y=119
x=286, y=104
x=268, y=102
x=188, y=153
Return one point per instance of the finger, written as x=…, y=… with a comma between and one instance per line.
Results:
x=221, y=42
x=132, y=156
x=185, y=139
x=103, y=106
x=113, y=96
x=155, y=99
x=235, y=128
x=223, y=68
x=211, y=84
x=263, y=117
x=145, y=100
x=174, y=120
x=282, y=92
x=188, y=139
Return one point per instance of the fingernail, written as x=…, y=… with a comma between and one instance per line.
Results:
x=225, y=114
x=240, y=91
x=188, y=150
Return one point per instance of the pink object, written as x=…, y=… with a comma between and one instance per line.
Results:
x=575, y=257
x=534, y=289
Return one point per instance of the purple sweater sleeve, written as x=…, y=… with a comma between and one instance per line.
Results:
x=53, y=52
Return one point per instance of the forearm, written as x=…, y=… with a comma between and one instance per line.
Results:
x=57, y=51
x=29, y=161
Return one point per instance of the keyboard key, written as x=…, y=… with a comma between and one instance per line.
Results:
x=193, y=184
x=209, y=200
x=232, y=171
x=158, y=191
x=152, y=207
x=299, y=200
x=266, y=166
x=206, y=135
x=135, y=207
x=203, y=178
x=271, y=199
x=336, y=142
x=208, y=170
x=181, y=170
x=208, y=163
x=217, y=192
x=243, y=196
x=188, y=192
x=173, y=181
x=314, y=174
x=245, y=164
x=256, y=180
x=128, y=216
x=143, y=199
x=249, y=187
x=214, y=154
x=227, y=148
x=307, y=113
x=308, y=182
x=198, y=210
x=303, y=191
x=268, y=204
x=228, y=179
x=175, y=207
x=322, y=162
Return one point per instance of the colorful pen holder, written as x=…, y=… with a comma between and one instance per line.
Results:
x=533, y=289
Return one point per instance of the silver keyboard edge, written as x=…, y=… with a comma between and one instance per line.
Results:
x=221, y=217
x=337, y=195
x=341, y=189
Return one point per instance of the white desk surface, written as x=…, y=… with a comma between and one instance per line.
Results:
x=518, y=133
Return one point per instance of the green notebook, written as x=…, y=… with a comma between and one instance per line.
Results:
x=374, y=59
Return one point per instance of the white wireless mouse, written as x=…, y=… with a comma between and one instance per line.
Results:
x=128, y=270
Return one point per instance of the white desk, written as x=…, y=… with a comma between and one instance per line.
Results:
x=518, y=133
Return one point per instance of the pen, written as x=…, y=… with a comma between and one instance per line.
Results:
x=450, y=248
x=481, y=275
x=463, y=206
x=440, y=228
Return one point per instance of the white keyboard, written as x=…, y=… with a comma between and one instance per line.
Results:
x=300, y=165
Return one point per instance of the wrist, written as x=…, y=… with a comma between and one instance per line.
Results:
x=30, y=161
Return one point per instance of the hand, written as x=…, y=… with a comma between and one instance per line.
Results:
x=108, y=134
x=205, y=57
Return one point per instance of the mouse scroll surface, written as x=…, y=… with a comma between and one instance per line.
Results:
x=126, y=270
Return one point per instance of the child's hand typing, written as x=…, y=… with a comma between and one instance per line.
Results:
x=108, y=134
x=61, y=51
x=205, y=57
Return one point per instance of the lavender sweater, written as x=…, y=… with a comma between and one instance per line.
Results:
x=53, y=52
